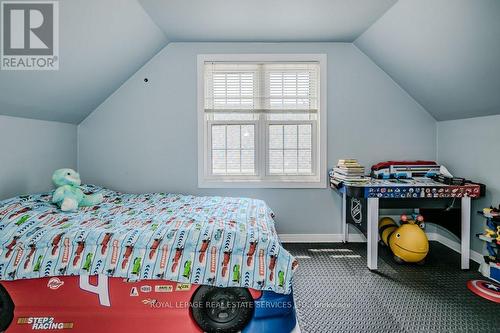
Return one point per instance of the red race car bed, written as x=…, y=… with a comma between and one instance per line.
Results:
x=219, y=258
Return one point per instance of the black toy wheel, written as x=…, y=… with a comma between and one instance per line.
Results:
x=222, y=309
x=6, y=309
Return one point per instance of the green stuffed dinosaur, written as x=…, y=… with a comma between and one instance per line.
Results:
x=68, y=194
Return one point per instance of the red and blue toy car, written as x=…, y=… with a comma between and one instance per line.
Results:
x=83, y=304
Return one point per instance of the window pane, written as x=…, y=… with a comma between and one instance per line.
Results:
x=305, y=165
x=290, y=161
x=290, y=149
x=219, y=162
x=247, y=137
x=305, y=136
x=233, y=162
x=233, y=137
x=218, y=137
x=290, y=137
x=276, y=161
x=233, y=149
x=247, y=161
x=276, y=136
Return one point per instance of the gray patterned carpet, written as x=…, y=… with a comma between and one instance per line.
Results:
x=335, y=292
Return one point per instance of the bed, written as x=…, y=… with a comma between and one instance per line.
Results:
x=217, y=241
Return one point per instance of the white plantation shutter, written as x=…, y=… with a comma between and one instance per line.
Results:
x=261, y=118
x=230, y=87
x=263, y=88
x=291, y=87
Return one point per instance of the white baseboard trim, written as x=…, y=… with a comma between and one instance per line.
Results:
x=320, y=238
x=454, y=245
x=360, y=238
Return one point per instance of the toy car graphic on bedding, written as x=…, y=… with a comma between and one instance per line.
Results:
x=80, y=241
x=129, y=248
x=136, y=267
x=236, y=273
x=18, y=233
x=251, y=250
x=187, y=269
x=205, y=242
x=179, y=249
x=228, y=249
x=8, y=209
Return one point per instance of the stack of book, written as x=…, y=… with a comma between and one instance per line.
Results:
x=349, y=171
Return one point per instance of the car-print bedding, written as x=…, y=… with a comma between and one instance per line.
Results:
x=218, y=241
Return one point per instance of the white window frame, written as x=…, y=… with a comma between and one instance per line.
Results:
x=262, y=179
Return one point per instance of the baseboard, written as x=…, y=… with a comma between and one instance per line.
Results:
x=454, y=245
x=360, y=238
x=320, y=238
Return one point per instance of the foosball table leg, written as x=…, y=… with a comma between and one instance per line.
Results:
x=345, y=227
x=372, y=232
x=465, y=232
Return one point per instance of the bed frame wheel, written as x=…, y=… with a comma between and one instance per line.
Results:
x=222, y=310
x=6, y=309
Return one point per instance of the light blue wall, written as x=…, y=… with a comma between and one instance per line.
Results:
x=469, y=148
x=143, y=138
x=30, y=151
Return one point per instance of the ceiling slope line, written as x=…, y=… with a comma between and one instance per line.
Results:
x=158, y=51
x=167, y=39
x=374, y=22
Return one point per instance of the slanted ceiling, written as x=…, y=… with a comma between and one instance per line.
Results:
x=102, y=43
x=444, y=53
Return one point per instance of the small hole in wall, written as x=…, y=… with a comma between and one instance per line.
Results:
x=146, y=79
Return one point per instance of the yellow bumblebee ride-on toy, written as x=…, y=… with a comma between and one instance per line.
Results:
x=407, y=241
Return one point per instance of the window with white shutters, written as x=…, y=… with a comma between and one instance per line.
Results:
x=260, y=121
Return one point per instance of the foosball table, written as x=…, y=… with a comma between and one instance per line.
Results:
x=361, y=204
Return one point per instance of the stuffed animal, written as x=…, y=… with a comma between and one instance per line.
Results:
x=68, y=194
